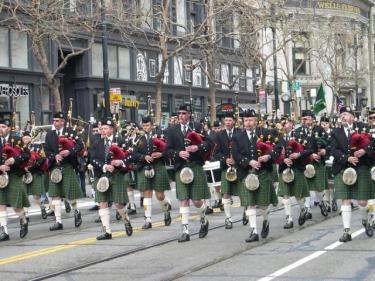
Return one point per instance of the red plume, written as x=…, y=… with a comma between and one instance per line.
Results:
x=11, y=152
x=66, y=143
x=118, y=152
x=194, y=137
x=296, y=146
x=265, y=148
x=160, y=144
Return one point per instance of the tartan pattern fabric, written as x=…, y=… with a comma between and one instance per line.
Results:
x=263, y=196
x=228, y=187
x=16, y=194
x=297, y=188
x=3, y=196
x=69, y=187
x=320, y=181
x=117, y=191
x=363, y=189
x=37, y=186
x=275, y=176
x=171, y=175
x=196, y=190
x=158, y=183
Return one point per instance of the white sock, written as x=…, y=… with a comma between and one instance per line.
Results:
x=164, y=204
x=331, y=191
x=131, y=198
x=73, y=203
x=22, y=216
x=172, y=184
x=124, y=215
x=301, y=203
x=265, y=212
x=202, y=210
x=57, y=208
x=346, y=214
x=288, y=208
x=252, y=215
x=184, y=211
x=105, y=218
x=208, y=202
x=147, y=206
x=37, y=201
x=308, y=203
x=226, y=203
x=363, y=212
x=327, y=196
x=4, y=220
x=318, y=196
x=216, y=194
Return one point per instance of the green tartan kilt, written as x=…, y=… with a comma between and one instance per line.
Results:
x=263, y=196
x=16, y=192
x=297, y=188
x=158, y=183
x=69, y=187
x=320, y=181
x=196, y=190
x=117, y=191
x=171, y=175
x=363, y=189
x=228, y=187
x=37, y=186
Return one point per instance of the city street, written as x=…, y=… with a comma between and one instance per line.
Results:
x=310, y=252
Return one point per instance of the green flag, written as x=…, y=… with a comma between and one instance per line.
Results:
x=320, y=102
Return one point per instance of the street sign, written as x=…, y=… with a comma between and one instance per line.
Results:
x=296, y=85
x=262, y=100
x=115, y=95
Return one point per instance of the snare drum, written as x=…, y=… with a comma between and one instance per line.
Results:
x=213, y=173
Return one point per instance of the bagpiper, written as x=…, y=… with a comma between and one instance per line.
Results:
x=254, y=174
x=223, y=153
x=109, y=162
x=185, y=147
x=351, y=168
x=63, y=182
x=12, y=188
x=152, y=175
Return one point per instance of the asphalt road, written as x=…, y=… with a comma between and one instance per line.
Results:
x=310, y=252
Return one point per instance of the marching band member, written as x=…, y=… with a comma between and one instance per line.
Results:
x=248, y=162
x=66, y=160
x=347, y=154
x=14, y=193
x=223, y=153
x=104, y=165
x=188, y=158
x=152, y=175
x=292, y=164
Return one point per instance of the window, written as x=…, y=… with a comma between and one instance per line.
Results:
x=181, y=16
x=235, y=73
x=177, y=69
x=97, y=60
x=300, y=54
x=188, y=76
x=225, y=75
x=152, y=67
x=141, y=67
x=4, y=45
x=249, y=80
x=124, y=63
x=112, y=61
x=197, y=74
x=19, y=49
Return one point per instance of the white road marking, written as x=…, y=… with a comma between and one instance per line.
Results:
x=310, y=257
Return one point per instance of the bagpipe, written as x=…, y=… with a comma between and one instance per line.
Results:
x=358, y=140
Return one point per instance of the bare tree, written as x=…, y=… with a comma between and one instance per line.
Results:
x=63, y=23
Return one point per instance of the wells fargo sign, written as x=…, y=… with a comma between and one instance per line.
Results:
x=333, y=5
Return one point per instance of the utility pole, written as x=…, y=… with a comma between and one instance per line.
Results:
x=107, y=112
x=275, y=82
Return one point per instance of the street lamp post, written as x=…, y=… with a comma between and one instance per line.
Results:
x=275, y=86
x=105, y=61
x=355, y=47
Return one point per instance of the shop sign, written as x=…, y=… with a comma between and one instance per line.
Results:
x=131, y=102
x=115, y=95
x=13, y=90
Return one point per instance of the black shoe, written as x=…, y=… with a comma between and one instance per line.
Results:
x=104, y=236
x=253, y=237
x=288, y=224
x=245, y=219
x=118, y=216
x=323, y=209
x=56, y=226
x=364, y=223
x=203, y=231
x=27, y=219
x=334, y=205
x=265, y=229
x=316, y=203
x=169, y=207
x=98, y=220
x=43, y=212
x=24, y=229
x=128, y=228
x=132, y=211
x=94, y=208
x=346, y=237
x=209, y=211
x=308, y=215
x=141, y=202
x=147, y=225
x=184, y=238
x=167, y=218
x=228, y=224
x=302, y=217
x=68, y=208
x=328, y=209
x=77, y=218
x=221, y=205
x=3, y=235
